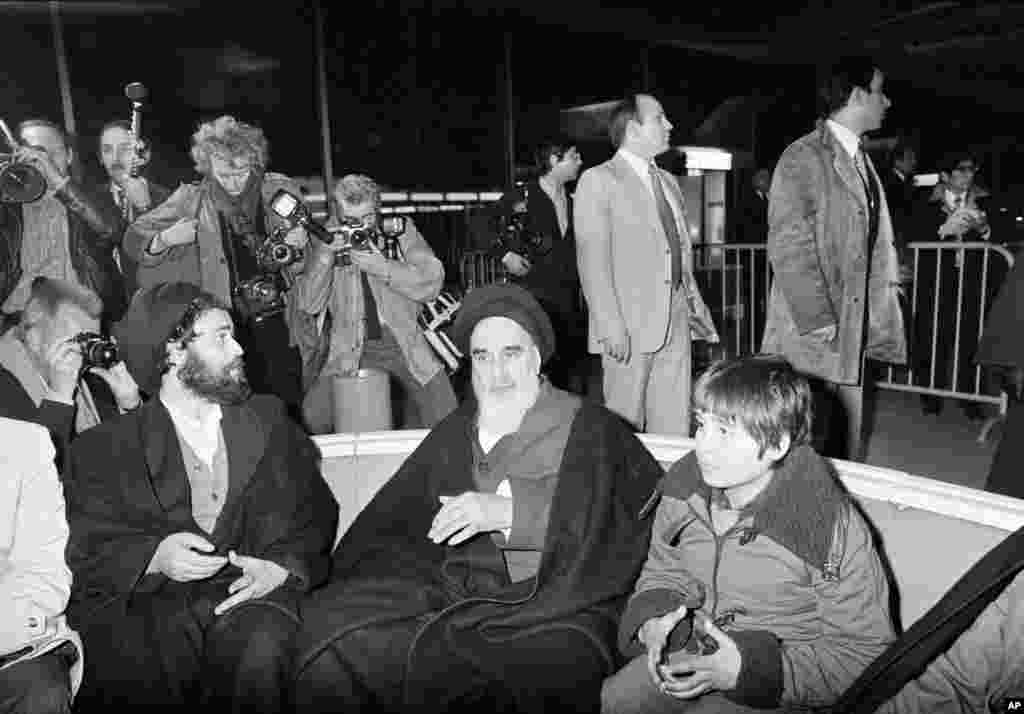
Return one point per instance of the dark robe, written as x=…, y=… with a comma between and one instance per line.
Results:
x=457, y=633
x=155, y=642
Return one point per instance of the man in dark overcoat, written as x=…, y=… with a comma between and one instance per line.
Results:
x=197, y=523
x=490, y=572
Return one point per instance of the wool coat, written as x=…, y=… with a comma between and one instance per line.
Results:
x=818, y=243
x=130, y=491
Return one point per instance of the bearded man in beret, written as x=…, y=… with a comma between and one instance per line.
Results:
x=197, y=522
x=489, y=573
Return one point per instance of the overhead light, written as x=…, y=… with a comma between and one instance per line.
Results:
x=706, y=158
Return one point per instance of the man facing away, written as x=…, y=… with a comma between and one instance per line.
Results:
x=634, y=255
x=197, y=523
x=835, y=295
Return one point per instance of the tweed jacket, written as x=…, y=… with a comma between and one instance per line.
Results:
x=818, y=223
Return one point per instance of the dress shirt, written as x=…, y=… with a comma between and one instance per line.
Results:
x=202, y=435
x=849, y=140
x=643, y=170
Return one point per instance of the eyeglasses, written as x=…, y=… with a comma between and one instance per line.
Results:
x=966, y=168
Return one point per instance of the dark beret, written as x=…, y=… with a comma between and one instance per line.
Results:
x=504, y=300
x=143, y=331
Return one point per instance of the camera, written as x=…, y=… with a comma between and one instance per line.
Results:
x=275, y=253
x=258, y=298
x=515, y=232
x=357, y=234
x=97, y=350
x=288, y=206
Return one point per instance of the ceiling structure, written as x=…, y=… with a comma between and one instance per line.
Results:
x=959, y=49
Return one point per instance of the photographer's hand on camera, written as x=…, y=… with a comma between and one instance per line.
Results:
x=297, y=237
x=371, y=260
x=654, y=635
x=122, y=385
x=64, y=365
x=516, y=264
x=181, y=233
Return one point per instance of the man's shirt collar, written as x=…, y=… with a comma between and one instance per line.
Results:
x=849, y=140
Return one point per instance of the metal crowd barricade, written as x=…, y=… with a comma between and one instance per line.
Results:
x=478, y=268
x=952, y=289
x=953, y=286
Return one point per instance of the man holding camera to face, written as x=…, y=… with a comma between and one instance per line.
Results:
x=64, y=231
x=216, y=233
x=373, y=301
x=55, y=366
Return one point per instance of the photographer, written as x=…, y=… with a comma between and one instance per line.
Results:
x=373, y=303
x=69, y=232
x=214, y=233
x=542, y=256
x=55, y=369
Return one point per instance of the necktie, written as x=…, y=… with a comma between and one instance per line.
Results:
x=370, y=310
x=668, y=222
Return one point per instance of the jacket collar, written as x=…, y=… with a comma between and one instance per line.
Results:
x=843, y=164
x=797, y=509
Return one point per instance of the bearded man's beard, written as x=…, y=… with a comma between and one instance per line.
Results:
x=227, y=387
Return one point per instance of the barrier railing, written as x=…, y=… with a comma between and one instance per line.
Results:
x=952, y=287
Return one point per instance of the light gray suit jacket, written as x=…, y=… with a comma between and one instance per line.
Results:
x=623, y=256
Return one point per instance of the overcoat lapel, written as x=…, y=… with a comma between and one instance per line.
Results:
x=639, y=195
x=166, y=466
x=245, y=439
x=845, y=168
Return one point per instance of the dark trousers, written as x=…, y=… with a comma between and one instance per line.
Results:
x=1006, y=476
x=167, y=651
x=38, y=686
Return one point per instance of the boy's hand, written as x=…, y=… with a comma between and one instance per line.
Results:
x=690, y=675
x=653, y=635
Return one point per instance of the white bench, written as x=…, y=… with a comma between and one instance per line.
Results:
x=931, y=531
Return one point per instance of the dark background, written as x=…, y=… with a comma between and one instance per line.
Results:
x=417, y=89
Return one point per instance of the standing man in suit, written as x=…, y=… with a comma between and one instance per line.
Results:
x=634, y=257
x=835, y=297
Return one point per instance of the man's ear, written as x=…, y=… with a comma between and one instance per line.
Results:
x=777, y=453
